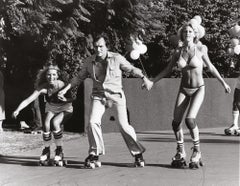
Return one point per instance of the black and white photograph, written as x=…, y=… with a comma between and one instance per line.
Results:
x=119, y=93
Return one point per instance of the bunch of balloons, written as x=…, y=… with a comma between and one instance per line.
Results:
x=138, y=48
x=196, y=21
x=235, y=44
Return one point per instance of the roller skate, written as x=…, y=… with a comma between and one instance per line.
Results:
x=92, y=161
x=179, y=160
x=237, y=132
x=196, y=159
x=59, y=158
x=45, y=157
x=139, y=161
x=232, y=130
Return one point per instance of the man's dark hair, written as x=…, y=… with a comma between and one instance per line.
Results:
x=104, y=36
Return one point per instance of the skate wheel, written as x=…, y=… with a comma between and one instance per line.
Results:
x=90, y=165
x=237, y=132
x=98, y=164
x=44, y=163
x=179, y=164
x=139, y=164
x=194, y=165
x=227, y=132
x=60, y=164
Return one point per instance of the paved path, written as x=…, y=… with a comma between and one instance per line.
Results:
x=220, y=156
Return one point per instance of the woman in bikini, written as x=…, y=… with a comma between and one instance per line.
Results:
x=191, y=57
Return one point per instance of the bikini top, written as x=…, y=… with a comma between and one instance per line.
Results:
x=193, y=62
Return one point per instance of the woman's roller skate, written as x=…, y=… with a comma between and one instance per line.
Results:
x=45, y=157
x=232, y=130
x=139, y=161
x=179, y=160
x=92, y=161
x=195, y=160
x=59, y=158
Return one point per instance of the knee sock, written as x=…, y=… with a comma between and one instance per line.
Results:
x=178, y=134
x=194, y=132
x=47, y=139
x=58, y=137
x=235, y=115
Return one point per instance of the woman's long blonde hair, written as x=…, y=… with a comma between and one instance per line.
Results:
x=41, y=76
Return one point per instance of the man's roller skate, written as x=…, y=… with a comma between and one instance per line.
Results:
x=237, y=132
x=92, y=161
x=179, y=160
x=232, y=130
x=139, y=161
x=45, y=157
x=59, y=158
x=195, y=160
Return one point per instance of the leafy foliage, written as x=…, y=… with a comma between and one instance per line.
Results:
x=36, y=32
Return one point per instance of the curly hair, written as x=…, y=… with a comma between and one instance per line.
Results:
x=41, y=76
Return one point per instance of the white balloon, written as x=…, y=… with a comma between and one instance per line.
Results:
x=234, y=42
x=134, y=45
x=135, y=54
x=194, y=22
x=198, y=18
x=142, y=49
x=235, y=30
x=236, y=49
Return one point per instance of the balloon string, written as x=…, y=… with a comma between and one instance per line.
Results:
x=142, y=66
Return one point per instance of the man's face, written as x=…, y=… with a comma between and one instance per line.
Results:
x=101, y=48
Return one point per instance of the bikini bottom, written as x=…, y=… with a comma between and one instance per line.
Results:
x=190, y=91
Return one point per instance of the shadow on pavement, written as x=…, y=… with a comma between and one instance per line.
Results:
x=21, y=160
x=203, y=140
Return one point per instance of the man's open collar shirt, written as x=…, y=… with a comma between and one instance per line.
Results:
x=112, y=79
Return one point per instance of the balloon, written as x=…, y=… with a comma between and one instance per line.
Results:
x=198, y=18
x=235, y=30
x=194, y=22
x=135, y=46
x=135, y=54
x=142, y=49
x=201, y=31
x=174, y=40
x=234, y=42
x=236, y=49
x=230, y=51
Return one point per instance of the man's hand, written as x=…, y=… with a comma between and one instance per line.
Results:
x=147, y=83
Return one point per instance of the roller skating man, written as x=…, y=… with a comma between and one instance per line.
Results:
x=105, y=69
x=48, y=83
x=234, y=128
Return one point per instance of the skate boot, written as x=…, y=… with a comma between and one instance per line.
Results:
x=59, y=158
x=231, y=130
x=195, y=160
x=139, y=161
x=92, y=161
x=179, y=160
x=45, y=157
